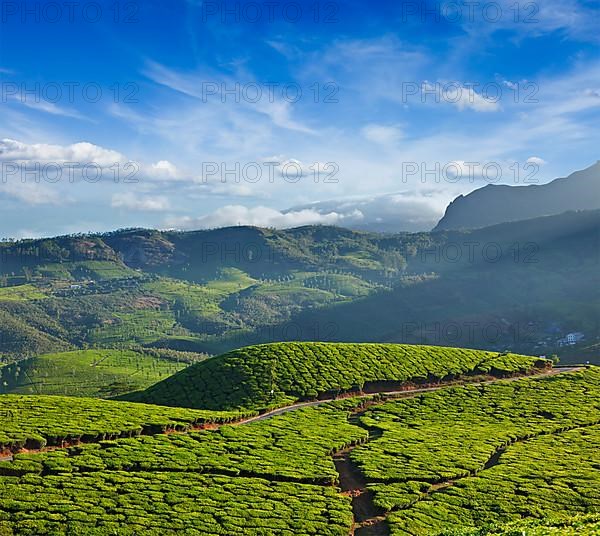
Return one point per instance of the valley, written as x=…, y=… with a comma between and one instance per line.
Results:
x=507, y=287
x=300, y=268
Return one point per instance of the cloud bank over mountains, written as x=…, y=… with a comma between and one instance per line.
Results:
x=394, y=212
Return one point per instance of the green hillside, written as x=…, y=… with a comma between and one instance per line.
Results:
x=506, y=464
x=516, y=450
x=516, y=286
x=279, y=373
x=37, y=421
x=87, y=373
x=579, y=525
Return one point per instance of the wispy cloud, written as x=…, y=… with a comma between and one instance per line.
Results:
x=47, y=107
x=228, y=93
x=131, y=201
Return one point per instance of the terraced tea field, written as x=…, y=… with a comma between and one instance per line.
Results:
x=513, y=450
x=415, y=463
x=37, y=421
x=86, y=373
x=21, y=293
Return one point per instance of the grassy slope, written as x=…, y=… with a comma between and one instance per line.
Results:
x=276, y=374
x=21, y=293
x=86, y=373
x=96, y=270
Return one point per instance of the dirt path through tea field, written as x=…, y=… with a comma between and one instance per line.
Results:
x=382, y=394
x=408, y=392
x=369, y=520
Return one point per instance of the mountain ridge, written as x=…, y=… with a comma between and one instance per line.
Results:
x=500, y=203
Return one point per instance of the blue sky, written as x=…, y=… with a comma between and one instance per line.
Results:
x=386, y=111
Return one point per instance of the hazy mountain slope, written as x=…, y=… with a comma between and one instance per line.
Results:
x=501, y=203
x=19, y=339
x=212, y=291
x=547, y=283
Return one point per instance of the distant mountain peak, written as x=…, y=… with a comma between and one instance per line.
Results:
x=498, y=203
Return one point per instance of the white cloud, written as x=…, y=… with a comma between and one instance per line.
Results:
x=248, y=95
x=393, y=212
x=285, y=49
x=83, y=153
x=232, y=189
x=45, y=106
x=368, y=69
x=382, y=134
x=536, y=160
x=470, y=99
x=460, y=95
x=232, y=215
x=164, y=170
x=30, y=193
x=78, y=155
x=578, y=20
x=130, y=201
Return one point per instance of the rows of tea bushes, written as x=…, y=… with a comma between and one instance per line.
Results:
x=577, y=525
x=38, y=421
x=200, y=482
x=554, y=474
x=158, y=503
x=295, y=446
x=276, y=374
x=453, y=432
x=467, y=458
x=473, y=455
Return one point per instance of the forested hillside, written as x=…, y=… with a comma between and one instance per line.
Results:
x=212, y=291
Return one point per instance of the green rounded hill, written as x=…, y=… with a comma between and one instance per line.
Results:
x=277, y=374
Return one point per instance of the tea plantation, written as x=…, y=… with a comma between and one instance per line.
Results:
x=37, y=421
x=86, y=373
x=516, y=456
x=277, y=374
x=159, y=503
x=296, y=446
x=472, y=456
x=579, y=525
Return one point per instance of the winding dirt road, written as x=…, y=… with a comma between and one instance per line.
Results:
x=408, y=392
x=405, y=392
